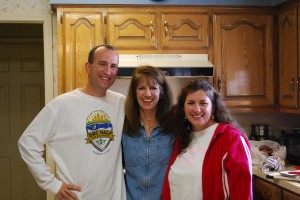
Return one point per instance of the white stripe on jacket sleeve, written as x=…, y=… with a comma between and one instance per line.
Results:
x=248, y=153
x=225, y=180
x=224, y=175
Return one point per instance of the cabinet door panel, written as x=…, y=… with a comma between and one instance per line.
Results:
x=288, y=59
x=80, y=33
x=182, y=30
x=132, y=31
x=266, y=191
x=290, y=196
x=243, y=49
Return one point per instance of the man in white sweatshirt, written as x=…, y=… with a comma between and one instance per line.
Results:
x=82, y=129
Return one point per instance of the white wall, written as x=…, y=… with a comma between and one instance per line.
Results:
x=31, y=7
x=277, y=122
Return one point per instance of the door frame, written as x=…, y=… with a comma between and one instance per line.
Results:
x=48, y=59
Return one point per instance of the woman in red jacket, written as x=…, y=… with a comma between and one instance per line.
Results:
x=211, y=158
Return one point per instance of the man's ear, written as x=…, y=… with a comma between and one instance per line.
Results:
x=87, y=67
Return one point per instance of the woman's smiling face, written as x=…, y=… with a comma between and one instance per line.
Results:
x=198, y=109
x=147, y=93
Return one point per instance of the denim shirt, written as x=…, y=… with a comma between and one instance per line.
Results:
x=146, y=161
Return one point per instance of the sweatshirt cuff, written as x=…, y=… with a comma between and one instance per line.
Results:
x=55, y=187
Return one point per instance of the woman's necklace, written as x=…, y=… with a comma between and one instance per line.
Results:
x=150, y=128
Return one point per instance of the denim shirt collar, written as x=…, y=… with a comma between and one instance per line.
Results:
x=155, y=130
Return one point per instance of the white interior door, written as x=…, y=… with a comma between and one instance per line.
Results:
x=21, y=98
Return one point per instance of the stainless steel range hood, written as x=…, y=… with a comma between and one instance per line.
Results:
x=176, y=65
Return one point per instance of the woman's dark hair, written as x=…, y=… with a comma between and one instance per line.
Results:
x=132, y=110
x=220, y=114
x=92, y=51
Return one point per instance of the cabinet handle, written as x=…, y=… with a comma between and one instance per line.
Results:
x=292, y=84
x=152, y=30
x=166, y=29
x=219, y=85
x=267, y=194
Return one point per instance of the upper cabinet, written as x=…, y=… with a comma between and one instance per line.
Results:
x=239, y=43
x=132, y=30
x=161, y=30
x=289, y=59
x=184, y=30
x=78, y=31
x=243, y=47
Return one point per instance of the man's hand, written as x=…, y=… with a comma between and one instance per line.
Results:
x=65, y=192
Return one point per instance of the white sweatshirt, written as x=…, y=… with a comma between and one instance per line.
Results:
x=84, y=137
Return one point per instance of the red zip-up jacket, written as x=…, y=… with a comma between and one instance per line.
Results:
x=227, y=166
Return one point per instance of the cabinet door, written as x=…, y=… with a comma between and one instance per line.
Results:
x=290, y=196
x=77, y=34
x=288, y=72
x=184, y=30
x=243, y=51
x=132, y=30
x=266, y=191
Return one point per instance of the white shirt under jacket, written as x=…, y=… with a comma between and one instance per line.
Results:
x=83, y=134
x=185, y=175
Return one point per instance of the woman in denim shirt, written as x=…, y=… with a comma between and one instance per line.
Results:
x=148, y=137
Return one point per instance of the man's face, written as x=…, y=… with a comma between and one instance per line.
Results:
x=103, y=71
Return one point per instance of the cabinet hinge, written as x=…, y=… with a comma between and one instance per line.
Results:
x=276, y=100
x=210, y=41
x=298, y=82
x=61, y=19
x=275, y=20
x=209, y=32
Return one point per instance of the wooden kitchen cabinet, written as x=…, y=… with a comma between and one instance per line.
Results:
x=289, y=34
x=138, y=30
x=290, y=196
x=184, y=30
x=78, y=30
x=243, y=49
x=265, y=190
x=132, y=30
x=158, y=29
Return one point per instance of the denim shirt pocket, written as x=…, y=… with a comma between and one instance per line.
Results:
x=164, y=149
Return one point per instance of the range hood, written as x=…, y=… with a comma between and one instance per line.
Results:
x=175, y=65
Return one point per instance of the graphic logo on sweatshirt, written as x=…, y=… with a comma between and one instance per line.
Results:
x=99, y=130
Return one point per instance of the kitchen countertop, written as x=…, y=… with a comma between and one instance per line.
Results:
x=289, y=185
